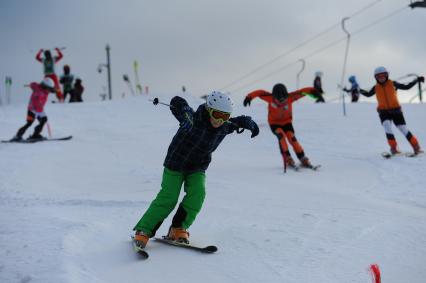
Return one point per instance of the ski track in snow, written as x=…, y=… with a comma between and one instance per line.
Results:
x=67, y=209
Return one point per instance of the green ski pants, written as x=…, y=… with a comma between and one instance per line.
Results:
x=167, y=198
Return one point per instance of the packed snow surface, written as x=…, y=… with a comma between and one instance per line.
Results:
x=67, y=208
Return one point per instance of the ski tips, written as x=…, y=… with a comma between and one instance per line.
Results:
x=210, y=249
x=141, y=252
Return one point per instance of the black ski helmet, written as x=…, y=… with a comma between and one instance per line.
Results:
x=279, y=92
x=67, y=69
x=47, y=54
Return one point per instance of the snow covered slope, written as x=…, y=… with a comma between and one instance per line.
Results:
x=67, y=209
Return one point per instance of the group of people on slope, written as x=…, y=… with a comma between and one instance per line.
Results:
x=40, y=93
x=354, y=89
x=70, y=85
x=201, y=132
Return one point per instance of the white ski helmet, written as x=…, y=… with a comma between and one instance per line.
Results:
x=380, y=70
x=48, y=82
x=219, y=101
x=318, y=74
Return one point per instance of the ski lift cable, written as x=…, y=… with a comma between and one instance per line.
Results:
x=312, y=54
x=397, y=11
x=325, y=31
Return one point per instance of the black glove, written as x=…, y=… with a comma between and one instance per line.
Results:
x=246, y=122
x=421, y=79
x=247, y=101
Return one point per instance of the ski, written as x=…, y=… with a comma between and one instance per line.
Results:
x=312, y=167
x=139, y=250
x=412, y=154
x=292, y=167
x=388, y=155
x=298, y=168
x=207, y=249
x=37, y=140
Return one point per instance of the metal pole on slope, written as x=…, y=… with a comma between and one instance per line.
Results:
x=9, y=89
x=344, y=63
x=298, y=74
x=108, y=65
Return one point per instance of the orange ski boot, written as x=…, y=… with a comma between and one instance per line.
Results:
x=178, y=234
x=141, y=239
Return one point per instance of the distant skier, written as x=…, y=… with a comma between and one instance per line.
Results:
x=67, y=80
x=318, y=87
x=188, y=157
x=389, y=108
x=49, y=68
x=77, y=91
x=36, y=109
x=280, y=119
x=354, y=90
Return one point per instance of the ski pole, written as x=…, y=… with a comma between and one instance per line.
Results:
x=49, y=130
x=156, y=101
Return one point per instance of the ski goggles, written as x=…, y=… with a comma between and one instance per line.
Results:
x=217, y=115
x=381, y=75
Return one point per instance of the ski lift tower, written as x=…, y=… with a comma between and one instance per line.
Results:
x=108, y=67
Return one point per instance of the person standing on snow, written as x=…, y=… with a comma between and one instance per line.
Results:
x=318, y=87
x=77, y=91
x=389, y=108
x=280, y=119
x=354, y=90
x=36, y=109
x=188, y=157
x=67, y=80
x=49, y=68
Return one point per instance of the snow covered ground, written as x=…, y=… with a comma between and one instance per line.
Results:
x=67, y=209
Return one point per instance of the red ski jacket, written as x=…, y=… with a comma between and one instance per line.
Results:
x=38, y=98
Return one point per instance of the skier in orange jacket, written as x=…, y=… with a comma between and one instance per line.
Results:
x=280, y=119
x=389, y=108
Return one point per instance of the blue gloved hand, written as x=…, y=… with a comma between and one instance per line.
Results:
x=253, y=127
x=187, y=121
x=246, y=122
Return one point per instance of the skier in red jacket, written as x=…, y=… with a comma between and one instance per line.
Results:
x=49, y=68
x=36, y=109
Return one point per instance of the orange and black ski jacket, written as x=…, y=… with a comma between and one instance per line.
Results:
x=386, y=94
x=281, y=113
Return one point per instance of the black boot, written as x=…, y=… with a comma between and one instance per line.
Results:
x=36, y=137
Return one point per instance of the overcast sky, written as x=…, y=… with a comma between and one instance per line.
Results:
x=206, y=45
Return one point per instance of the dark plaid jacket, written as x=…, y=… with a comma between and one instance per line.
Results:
x=190, y=150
